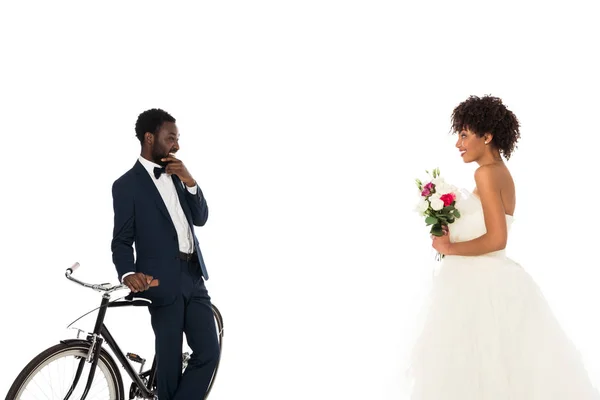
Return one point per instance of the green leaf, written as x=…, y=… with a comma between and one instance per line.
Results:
x=431, y=220
x=456, y=213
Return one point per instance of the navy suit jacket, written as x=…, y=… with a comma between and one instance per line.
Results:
x=141, y=219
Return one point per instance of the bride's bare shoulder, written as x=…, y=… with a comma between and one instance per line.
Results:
x=494, y=176
x=488, y=175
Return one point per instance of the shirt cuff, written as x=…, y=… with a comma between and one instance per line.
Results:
x=193, y=189
x=124, y=275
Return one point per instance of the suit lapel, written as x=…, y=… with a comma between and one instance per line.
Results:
x=150, y=188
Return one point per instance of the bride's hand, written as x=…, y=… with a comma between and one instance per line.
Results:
x=441, y=243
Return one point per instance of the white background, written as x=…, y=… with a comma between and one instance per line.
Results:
x=305, y=124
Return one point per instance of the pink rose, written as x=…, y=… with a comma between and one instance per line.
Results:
x=427, y=189
x=448, y=198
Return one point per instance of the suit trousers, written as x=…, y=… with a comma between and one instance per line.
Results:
x=191, y=313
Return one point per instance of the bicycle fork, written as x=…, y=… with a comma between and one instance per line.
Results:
x=93, y=353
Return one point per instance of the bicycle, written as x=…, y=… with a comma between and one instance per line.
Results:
x=102, y=369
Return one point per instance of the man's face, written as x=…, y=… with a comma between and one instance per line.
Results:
x=165, y=141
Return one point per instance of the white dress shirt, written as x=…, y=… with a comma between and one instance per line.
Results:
x=166, y=188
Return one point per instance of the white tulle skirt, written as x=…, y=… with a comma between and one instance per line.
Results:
x=488, y=333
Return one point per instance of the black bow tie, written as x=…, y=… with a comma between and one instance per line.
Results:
x=158, y=171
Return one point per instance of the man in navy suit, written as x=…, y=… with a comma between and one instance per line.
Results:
x=156, y=205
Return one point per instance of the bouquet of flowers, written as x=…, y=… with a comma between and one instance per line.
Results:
x=437, y=203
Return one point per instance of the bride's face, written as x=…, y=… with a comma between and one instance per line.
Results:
x=471, y=146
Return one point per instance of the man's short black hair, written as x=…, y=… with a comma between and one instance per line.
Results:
x=151, y=121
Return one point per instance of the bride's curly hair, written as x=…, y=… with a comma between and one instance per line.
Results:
x=487, y=114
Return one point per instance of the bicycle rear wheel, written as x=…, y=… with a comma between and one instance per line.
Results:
x=50, y=375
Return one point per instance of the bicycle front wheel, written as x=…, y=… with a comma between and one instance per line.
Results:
x=51, y=375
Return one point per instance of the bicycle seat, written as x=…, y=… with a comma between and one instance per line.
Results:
x=137, y=301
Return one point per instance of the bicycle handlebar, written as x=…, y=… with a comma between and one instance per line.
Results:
x=102, y=287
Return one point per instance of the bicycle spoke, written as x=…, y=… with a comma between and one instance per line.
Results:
x=35, y=397
x=53, y=379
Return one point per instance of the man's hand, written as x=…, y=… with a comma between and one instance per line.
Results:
x=139, y=282
x=177, y=167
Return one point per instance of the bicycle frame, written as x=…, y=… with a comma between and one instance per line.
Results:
x=96, y=338
x=101, y=334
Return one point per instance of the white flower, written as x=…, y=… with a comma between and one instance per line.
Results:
x=450, y=189
x=436, y=203
x=443, y=189
x=422, y=206
x=446, y=188
x=438, y=181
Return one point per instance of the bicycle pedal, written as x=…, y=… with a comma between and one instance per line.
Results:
x=135, y=358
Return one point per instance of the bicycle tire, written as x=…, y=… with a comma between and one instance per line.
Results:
x=219, y=323
x=105, y=363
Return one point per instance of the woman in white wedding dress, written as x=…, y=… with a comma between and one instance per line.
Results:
x=488, y=332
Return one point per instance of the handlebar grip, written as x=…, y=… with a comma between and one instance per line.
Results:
x=73, y=268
